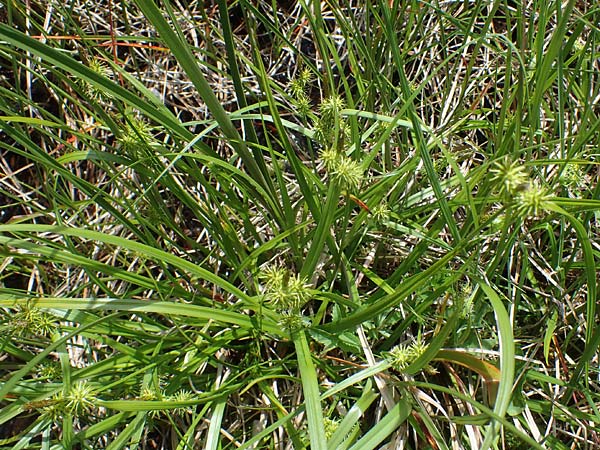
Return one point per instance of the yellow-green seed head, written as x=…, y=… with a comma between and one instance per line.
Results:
x=511, y=176
x=348, y=172
x=533, y=201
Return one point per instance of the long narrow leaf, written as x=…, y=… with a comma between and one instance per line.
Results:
x=150, y=306
x=149, y=106
x=146, y=250
x=507, y=363
x=386, y=426
x=310, y=388
x=182, y=52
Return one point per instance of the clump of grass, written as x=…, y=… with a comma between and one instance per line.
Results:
x=228, y=233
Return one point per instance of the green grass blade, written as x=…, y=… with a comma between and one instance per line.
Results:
x=149, y=106
x=131, y=434
x=310, y=388
x=214, y=429
x=592, y=331
x=182, y=52
x=544, y=69
x=322, y=232
x=386, y=426
x=351, y=420
x=16, y=376
x=142, y=249
x=402, y=291
x=151, y=306
x=507, y=363
x=417, y=129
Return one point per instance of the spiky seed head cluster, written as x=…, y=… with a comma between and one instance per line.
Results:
x=440, y=166
x=284, y=290
x=182, y=395
x=99, y=67
x=298, y=89
x=52, y=410
x=534, y=200
x=81, y=399
x=331, y=129
x=78, y=402
x=290, y=320
x=330, y=158
x=511, y=175
x=136, y=135
x=343, y=169
x=29, y=320
x=287, y=293
x=330, y=426
x=418, y=348
x=347, y=172
x=572, y=177
x=148, y=394
x=401, y=356
x=331, y=110
x=516, y=186
x=299, y=84
x=381, y=212
x=303, y=105
x=306, y=76
x=49, y=370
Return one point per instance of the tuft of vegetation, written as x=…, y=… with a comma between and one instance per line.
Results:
x=288, y=225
